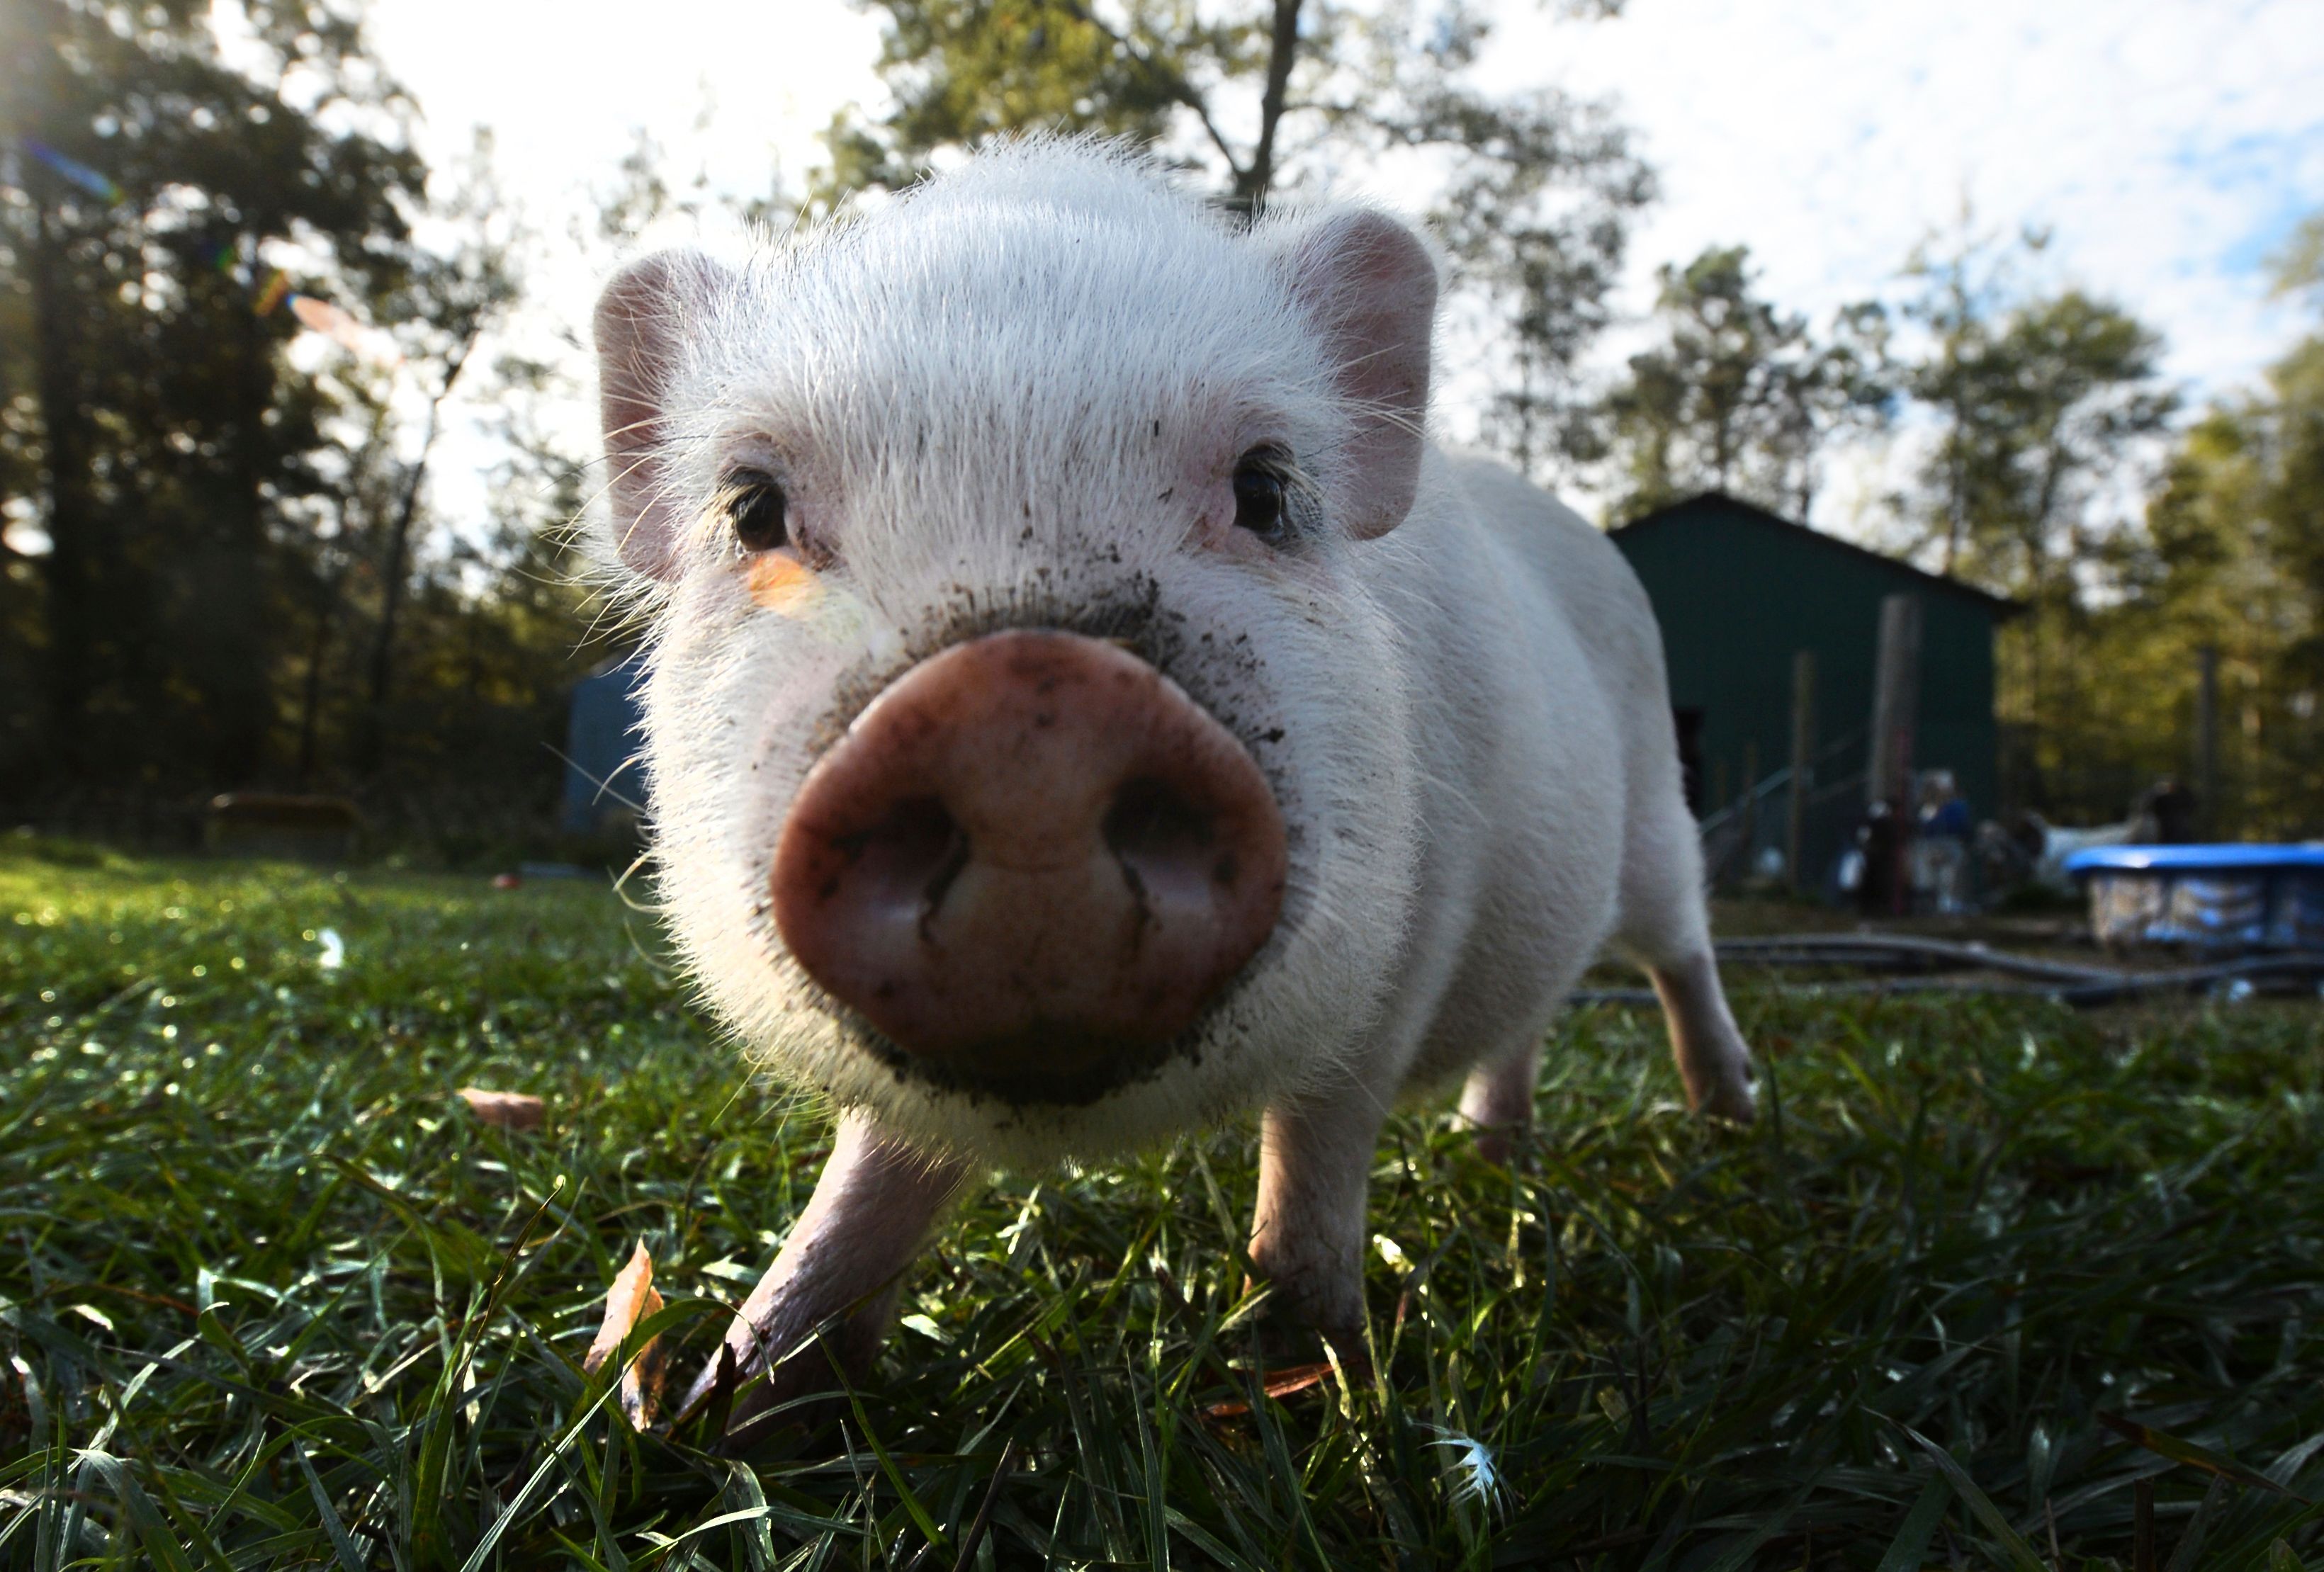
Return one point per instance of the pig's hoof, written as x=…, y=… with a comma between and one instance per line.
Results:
x=734, y=1405
x=1501, y=1144
x=1354, y=1353
x=1285, y=1346
x=1730, y=1101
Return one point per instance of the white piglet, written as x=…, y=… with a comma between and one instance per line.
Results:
x=1084, y=706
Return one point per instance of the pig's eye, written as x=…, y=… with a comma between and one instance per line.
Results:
x=1262, y=492
x=755, y=505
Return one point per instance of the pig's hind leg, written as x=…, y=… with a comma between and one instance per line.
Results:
x=1496, y=1099
x=1666, y=928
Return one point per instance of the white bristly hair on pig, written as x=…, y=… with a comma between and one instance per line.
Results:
x=981, y=398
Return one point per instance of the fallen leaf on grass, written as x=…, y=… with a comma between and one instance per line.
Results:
x=506, y=1110
x=628, y=1300
x=1281, y=1384
x=2189, y=1453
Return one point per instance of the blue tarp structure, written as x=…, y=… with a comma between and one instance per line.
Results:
x=605, y=783
x=2267, y=897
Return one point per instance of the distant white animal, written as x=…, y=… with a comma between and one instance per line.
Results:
x=2058, y=843
x=1084, y=705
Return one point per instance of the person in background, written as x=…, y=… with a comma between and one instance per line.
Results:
x=2164, y=814
x=1940, y=845
x=1869, y=869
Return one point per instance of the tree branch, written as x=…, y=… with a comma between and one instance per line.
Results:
x=1173, y=80
x=1283, y=49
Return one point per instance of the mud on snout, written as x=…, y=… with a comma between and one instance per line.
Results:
x=1030, y=867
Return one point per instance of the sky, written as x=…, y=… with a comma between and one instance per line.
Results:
x=2170, y=146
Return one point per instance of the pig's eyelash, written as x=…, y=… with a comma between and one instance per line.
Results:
x=1299, y=483
x=1302, y=492
x=1279, y=459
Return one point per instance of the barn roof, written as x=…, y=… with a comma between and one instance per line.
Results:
x=1720, y=505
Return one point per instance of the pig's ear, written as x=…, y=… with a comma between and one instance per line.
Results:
x=643, y=321
x=1369, y=283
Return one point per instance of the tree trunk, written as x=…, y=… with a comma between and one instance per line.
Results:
x=241, y=694
x=1283, y=51
x=70, y=570
x=373, y=752
x=1956, y=483
x=311, y=698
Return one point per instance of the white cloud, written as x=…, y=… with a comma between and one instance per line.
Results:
x=2168, y=144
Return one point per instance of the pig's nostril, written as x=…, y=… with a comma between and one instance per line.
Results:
x=906, y=861
x=1162, y=839
x=1030, y=867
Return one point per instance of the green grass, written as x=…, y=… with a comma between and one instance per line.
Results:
x=269, y=1297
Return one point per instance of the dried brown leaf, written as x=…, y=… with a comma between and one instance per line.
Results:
x=630, y=1300
x=506, y=1110
x=2165, y=1445
x=1280, y=1383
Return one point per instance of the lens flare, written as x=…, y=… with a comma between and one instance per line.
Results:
x=277, y=288
x=95, y=182
x=783, y=584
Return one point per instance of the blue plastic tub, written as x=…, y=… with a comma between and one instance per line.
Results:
x=2219, y=897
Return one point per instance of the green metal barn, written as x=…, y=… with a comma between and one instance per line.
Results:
x=1738, y=592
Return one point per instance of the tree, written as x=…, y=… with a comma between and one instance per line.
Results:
x=2299, y=267
x=2048, y=411
x=2231, y=560
x=1737, y=396
x=447, y=300
x=2041, y=403
x=151, y=183
x=1536, y=189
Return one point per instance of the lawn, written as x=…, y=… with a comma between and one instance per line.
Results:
x=270, y=1297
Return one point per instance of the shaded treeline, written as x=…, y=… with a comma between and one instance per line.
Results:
x=226, y=566
x=223, y=569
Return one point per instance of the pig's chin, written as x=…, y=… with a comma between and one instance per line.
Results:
x=1041, y=1097
x=1047, y=1065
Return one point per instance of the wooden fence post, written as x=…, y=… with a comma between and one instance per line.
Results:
x=1896, y=702
x=1803, y=675
x=2207, y=741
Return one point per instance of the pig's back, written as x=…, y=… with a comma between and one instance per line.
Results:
x=1572, y=564
x=1540, y=679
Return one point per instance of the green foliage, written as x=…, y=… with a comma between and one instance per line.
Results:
x=1534, y=191
x=2232, y=559
x=246, y=584
x=272, y=1298
x=2041, y=402
x=963, y=70
x=2047, y=405
x=164, y=436
x=2300, y=269
x=1737, y=397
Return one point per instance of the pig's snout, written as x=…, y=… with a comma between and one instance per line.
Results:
x=1030, y=864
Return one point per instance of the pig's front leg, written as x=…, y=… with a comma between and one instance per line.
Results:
x=871, y=1211
x=1307, y=1241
